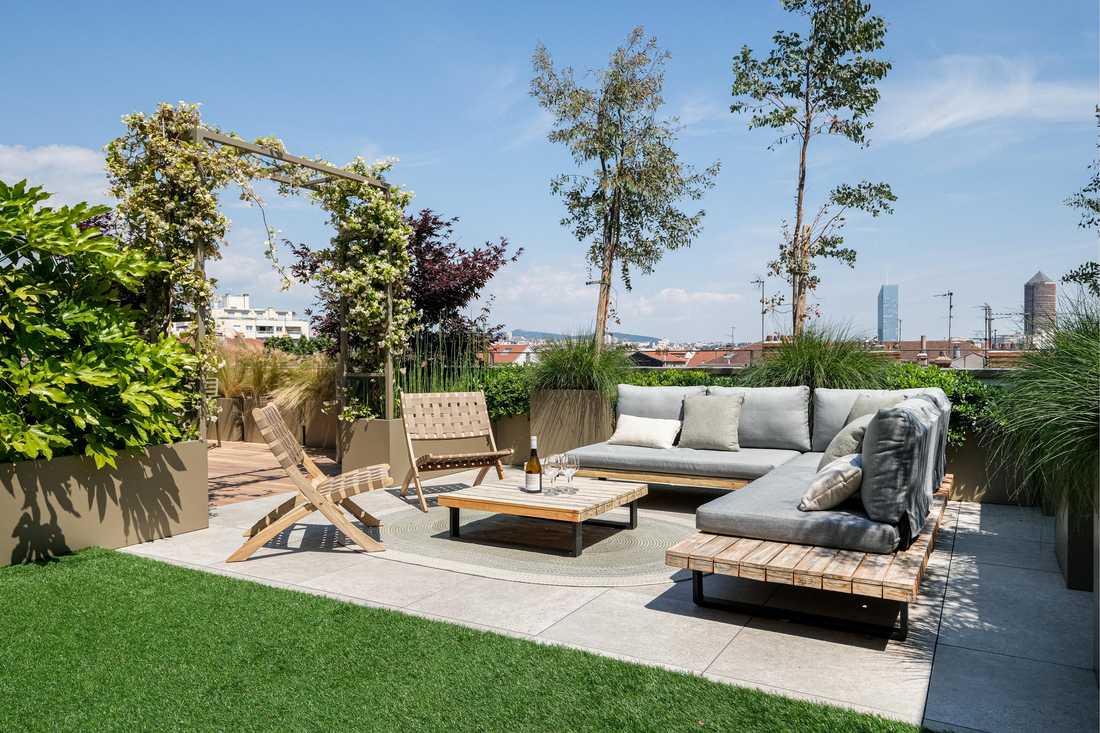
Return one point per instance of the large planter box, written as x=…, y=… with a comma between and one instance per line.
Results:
x=569, y=418
x=1075, y=547
x=50, y=508
x=514, y=432
x=973, y=479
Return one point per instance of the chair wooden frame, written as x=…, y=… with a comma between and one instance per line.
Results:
x=316, y=491
x=447, y=416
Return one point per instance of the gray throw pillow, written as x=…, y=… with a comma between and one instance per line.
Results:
x=849, y=440
x=710, y=423
x=834, y=484
x=869, y=404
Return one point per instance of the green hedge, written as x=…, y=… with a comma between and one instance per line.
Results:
x=970, y=398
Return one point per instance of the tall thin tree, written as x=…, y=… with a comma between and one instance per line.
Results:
x=820, y=83
x=626, y=207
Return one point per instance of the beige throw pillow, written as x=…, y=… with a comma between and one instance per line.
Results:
x=833, y=484
x=849, y=440
x=646, y=432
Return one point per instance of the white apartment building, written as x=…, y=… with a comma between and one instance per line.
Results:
x=234, y=316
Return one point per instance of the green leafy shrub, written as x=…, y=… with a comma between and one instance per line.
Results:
x=574, y=363
x=302, y=346
x=678, y=378
x=822, y=356
x=75, y=375
x=1044, y=425
x=507, y=390
x=969, y=397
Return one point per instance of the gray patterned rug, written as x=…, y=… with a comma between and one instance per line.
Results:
x=536, y=551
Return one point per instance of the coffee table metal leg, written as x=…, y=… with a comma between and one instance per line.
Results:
x=634, y=514
x=578, y=538
x=454, y=521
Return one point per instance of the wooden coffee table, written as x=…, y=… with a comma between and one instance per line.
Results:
x=578, y=506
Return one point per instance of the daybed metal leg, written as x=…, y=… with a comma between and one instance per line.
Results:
x=898, y=632
x=578, y=538
x=454, y=521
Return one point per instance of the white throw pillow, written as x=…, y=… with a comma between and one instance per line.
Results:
x=647, y=432
x=834, y=484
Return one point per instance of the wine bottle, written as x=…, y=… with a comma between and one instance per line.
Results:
x=532, y=470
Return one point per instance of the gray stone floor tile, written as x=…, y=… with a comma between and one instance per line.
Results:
x=522, y=607
x=1002, y=520
x=202, y=547
x=672, y=632
x=1025, y=613
x=859, y=670
x=383, y=581
x=993, y=692
x=1011, y=551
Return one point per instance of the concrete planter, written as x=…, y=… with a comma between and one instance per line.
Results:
x=569, y=418
x=514, y=432
x=973, y=481
x=1074, y=544
x=50, y=508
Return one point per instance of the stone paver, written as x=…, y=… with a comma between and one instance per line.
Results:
x=996, y=641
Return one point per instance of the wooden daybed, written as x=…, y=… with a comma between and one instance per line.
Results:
x=893, y=577
x=670, y=479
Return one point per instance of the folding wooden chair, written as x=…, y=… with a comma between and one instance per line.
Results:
x=447, y=416
x=316, y=491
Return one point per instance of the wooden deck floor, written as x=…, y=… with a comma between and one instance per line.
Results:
x=243, y=471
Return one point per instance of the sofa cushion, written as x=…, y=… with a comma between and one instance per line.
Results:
x=648, y=432
x=849, y=440
x=899, y=452
x=665, y=403
x=710, y=422
x=767, y=509
x=869, y=404
x=834, y=484
x=832, y=407
x=747, y=463
x=772, y=417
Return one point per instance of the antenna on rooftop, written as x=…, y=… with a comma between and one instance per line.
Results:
x=950, y=295
x=763, y=310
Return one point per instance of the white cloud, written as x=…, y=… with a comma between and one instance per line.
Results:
x=73, y=174
x=959, y=91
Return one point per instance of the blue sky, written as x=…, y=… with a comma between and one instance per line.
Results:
x=984, y=128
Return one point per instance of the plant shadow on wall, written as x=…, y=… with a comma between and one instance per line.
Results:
x=79, y=379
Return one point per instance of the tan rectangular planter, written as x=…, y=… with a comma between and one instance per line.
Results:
x=569, y=418
x=973, y=481
x=50, y=508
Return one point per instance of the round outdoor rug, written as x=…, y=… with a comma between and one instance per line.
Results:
x=535, y=551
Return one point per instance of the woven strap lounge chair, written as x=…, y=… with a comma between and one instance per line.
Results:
x=447, y=416
x=316, y=491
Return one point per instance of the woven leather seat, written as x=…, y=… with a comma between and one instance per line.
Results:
x=447, y=416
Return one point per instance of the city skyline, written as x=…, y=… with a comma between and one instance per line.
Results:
x=888, y=313
x=958, y=134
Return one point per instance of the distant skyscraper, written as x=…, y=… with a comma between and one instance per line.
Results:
x=1040, y=304
x=888, y=313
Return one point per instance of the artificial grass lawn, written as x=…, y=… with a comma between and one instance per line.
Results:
x=105, y=641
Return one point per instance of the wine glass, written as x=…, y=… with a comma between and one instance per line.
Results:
x=570, y=465
x=552, y=470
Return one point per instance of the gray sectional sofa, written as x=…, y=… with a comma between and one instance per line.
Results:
x=783, y=433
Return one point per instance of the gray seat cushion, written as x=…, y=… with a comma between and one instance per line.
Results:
x=772, y=417
x=832, y=406
x=746, y=463
x=767, y=509
x=665, y=403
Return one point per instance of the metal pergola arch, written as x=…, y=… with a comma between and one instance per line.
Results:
x=203, y=136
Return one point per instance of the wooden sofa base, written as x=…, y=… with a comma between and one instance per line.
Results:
x=894, y=577
x=671, y=479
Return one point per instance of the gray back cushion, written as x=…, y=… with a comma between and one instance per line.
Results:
x=772, y=417
x=832, y=407
x=665, y=403
x=899, y=453
x=710, y=422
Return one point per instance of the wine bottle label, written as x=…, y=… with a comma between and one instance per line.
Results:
x=533, y=482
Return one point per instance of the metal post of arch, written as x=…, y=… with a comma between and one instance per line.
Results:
x=202, y=136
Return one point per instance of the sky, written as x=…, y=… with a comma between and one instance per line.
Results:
x=984, y=127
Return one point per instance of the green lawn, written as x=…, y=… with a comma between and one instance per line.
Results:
x=106, y=641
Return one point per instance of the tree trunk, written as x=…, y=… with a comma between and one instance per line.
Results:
x=604, y=302
x=799, y=248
